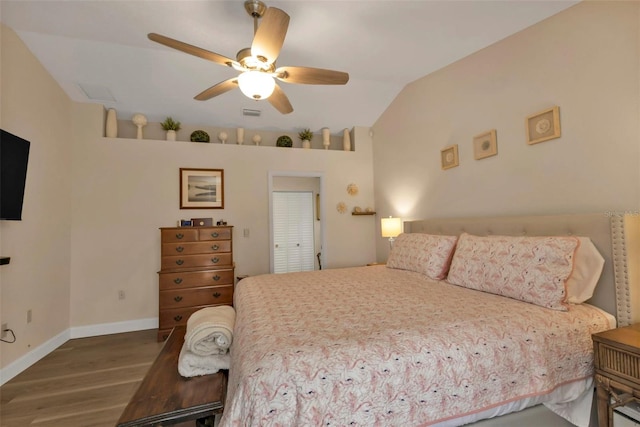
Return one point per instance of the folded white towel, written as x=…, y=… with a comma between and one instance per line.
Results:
x=192, y=365
x=210, y=330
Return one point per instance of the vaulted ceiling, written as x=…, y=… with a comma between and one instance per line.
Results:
x=101, y=48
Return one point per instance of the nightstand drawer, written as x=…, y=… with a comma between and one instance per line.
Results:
x=618, y=362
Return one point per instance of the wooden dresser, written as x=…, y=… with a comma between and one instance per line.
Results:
x=617, y=363
x=196, y=271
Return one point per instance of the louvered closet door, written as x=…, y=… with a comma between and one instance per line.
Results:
x=293, y=231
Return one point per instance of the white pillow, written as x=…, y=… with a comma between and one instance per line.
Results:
x=587, y=268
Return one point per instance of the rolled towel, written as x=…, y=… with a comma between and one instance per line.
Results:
x=192, y=365
x=210, y=330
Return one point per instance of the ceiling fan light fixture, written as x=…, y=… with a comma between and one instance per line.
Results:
x=256, y=84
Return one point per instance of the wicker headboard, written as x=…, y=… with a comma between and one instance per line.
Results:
x=617, y=238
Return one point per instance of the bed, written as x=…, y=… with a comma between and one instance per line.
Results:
x=418, y=341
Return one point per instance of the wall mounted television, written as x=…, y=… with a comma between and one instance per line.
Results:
x=14, y=156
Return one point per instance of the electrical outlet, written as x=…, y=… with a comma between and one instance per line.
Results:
x=121, y=294
x=29, y=317
x=3, y=330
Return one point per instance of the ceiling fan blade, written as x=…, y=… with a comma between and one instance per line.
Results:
x=190, y=49
x=269, y=37
x=280, y=101
x=217, y=89
x=311, y=76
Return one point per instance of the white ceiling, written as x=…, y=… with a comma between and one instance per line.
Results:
x=383, y=45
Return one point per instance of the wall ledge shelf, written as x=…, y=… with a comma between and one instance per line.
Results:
x=362, y=213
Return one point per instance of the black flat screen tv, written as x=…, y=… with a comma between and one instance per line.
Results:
x=14, y=156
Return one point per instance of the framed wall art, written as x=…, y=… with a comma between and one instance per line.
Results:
x=543, y=126
x=449, y=157
x=201, y=188
x=485, y=145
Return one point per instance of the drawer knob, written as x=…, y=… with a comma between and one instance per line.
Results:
x=179, y=235
x=177, y=280
x=215, y=247
x=215, y=260
x=217, y=294
x=179, y=249
x=179, y=261
x=177, y=318
x=177, y=299
x=216, y=277
x=214, y=234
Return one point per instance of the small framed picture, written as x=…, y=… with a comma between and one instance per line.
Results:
x=449, y=157
x=485, y=145
x=543, y=126
x=201, y=188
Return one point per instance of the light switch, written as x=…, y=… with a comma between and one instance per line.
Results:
x=246, y=232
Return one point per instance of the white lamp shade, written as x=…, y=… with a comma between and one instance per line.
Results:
x=256, y=84
x=391, y=227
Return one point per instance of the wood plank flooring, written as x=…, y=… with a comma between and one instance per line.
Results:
x=86, y=382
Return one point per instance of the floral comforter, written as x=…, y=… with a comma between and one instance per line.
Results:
x=374, y=346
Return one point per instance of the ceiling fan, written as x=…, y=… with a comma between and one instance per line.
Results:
x=257, y=64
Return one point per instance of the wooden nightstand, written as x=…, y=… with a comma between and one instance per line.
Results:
x=617, y=363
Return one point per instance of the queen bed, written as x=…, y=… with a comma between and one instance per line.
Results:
x=443, y=335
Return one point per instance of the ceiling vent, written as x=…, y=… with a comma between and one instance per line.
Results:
x=97, y=92
x=252, y=113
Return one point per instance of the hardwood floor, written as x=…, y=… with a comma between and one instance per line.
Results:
x=86, y=382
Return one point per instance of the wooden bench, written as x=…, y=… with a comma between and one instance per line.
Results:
x=166, y=398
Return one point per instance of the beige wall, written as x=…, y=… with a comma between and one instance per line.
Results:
x=125, y=189
x=38, y=277
x=585, y=60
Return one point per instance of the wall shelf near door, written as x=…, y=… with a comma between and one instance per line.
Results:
x=363, y=213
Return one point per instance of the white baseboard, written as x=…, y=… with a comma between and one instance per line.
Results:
x=19, y=365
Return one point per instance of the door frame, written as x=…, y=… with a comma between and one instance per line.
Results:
x=297, y=174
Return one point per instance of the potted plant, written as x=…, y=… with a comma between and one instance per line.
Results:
x=171, y=126
x=284, y=141
x=305, y=136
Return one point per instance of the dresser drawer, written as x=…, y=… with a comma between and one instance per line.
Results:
x=181, y=280
x=222, y=233
x=190, y=248
x=179, y=235
x=170, y=318
x=187, y=261
x=211, y=295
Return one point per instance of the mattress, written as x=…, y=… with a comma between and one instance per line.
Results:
x=378, y=346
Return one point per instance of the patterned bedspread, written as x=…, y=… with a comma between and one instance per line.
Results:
x=374, y=346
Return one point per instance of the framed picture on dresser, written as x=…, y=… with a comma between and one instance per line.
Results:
x=201, y=188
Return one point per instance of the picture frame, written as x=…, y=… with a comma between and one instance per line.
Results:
x=543, y=125
x=485, y=145
x=449, y=157
x=201, y=188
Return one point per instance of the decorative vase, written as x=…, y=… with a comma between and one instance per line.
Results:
x=140, y=121
x=222, y=136
x=256, y=139
x=326, y=138
x=346, y=140
x=111, y=127
x=171, y=135
x=306, y=143
x=240, y=136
